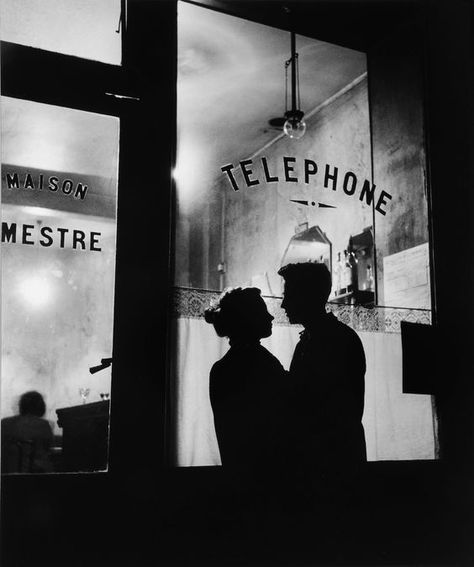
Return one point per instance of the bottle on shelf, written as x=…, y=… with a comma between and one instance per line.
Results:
x=347, y=277
x=354, y=271
x=338, y=274
x=370, y=279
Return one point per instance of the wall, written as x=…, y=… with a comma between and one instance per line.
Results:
x=197, y=243
x=399, y=157
x=260, y=220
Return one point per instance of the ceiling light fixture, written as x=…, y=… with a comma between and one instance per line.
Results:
x=295, y=126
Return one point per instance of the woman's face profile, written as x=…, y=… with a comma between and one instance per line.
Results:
x=244, y=316
x=261, y=318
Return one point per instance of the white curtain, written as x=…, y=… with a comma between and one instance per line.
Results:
x=397, y=426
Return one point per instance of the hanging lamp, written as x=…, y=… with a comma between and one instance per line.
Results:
x=295, y=126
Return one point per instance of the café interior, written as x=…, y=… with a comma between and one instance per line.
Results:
x=141, y=177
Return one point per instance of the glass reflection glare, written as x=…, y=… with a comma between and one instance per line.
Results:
x=36, y=291
x=84, y=393
x=294, y=129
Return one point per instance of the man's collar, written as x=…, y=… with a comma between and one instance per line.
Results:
x=321, y=323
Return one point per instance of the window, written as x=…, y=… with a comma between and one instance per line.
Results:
x=59, y=221
x=84, y=28
x=250, y=200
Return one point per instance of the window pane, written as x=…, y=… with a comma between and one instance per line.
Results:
x=84, y=28
x=59, y=194
x=251, y=200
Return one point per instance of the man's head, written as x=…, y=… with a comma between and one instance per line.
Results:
x=307, y=288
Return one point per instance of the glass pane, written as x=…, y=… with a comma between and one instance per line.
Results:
x=251, y=200
x=59, y=196
x=84, y=28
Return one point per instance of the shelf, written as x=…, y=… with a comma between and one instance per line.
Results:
x=360, y=297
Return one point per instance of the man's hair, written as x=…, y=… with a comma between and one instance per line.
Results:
x=32, y=403
x=310, y=278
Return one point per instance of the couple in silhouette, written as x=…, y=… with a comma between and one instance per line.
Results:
x=307, y=418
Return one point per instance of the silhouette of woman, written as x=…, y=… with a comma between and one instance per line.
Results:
x=246, y=384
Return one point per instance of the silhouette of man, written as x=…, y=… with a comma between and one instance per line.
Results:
x=327, y=374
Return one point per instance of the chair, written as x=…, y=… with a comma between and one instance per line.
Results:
x=17, y=455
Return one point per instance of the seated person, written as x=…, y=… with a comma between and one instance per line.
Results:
x=27, y=438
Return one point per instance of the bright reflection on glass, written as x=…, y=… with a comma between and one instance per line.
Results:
x=294, y=128
x=39, y=211
x=36, y=291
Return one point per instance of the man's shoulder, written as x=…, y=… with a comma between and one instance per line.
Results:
x=343, y=335
x=339, y=327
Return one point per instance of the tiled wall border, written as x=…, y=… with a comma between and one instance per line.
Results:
x=191, y=303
